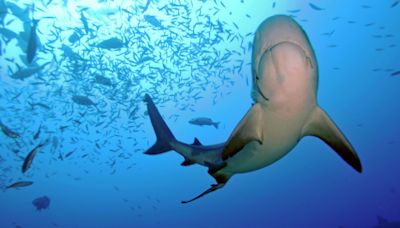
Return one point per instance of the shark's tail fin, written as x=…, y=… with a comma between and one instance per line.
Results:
x=164, y=135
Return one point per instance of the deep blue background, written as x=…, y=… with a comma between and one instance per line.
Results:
x=310, y=187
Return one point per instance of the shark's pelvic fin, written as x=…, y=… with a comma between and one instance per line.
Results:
x=249, y=129
x=213, y=168
x=321, y=126
x=163, y=133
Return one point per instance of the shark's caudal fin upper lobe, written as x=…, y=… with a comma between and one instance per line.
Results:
x=163, y=133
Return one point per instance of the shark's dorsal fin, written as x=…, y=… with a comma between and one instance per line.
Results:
x=196, y=142
x=320, y=125
x=249, y=129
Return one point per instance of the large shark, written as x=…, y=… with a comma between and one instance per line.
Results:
x=285, y=109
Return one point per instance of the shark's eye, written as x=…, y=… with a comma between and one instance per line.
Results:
x=257, y=78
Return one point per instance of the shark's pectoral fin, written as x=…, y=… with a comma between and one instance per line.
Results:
x=249, y=129
x=321, y=126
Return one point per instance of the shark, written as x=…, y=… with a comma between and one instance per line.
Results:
x=284, y=110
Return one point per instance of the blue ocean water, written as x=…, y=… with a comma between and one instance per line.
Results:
x=82, y=97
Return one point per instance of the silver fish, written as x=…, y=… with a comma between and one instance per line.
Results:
x=8, y=132
x=29, y=158
x=20, y=184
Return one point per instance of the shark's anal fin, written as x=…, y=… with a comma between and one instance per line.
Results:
x=249, y=129
x=321, y=126
x=187, y=162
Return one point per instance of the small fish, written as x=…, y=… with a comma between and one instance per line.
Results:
x=8, y=34
x=153, y=21
x=62, y=128
x=103, y=80
x=69, y=153
x=315, y=7
x=396, y=73
x=32, y=43
x=24, y=73
x=38, y=105
x=366, y=6
x=29, y=158
x=203, y=121
x=20, y=184
x=8, y=132
x=294, y=11
x=112, y=43
x=37, y=134
x=85, y=23
x=76, y=36
x=82, y=100
x=146, y=6
x=394, y=4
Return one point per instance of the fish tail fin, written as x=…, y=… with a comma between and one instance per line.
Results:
x=97, y=108
x=31, y=104
x=163, y=133
x=35, y=22
x=216, y=125
x=47, y=141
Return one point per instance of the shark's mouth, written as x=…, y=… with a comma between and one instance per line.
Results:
x=260, y=91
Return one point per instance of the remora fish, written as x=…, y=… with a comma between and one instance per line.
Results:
x=29, y=158
x=285, y=109
x=204, y=121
